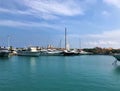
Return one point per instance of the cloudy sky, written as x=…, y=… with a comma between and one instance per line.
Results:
x=90, y=23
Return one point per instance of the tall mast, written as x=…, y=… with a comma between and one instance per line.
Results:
x=80, y=43
x=8, y=44
x=60, y=44
x=65, y=38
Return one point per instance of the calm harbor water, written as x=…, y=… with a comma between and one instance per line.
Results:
x=59, y=73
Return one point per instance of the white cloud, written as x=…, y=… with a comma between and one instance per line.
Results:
x=104, y=39
x=105, y=13
x=46, y=9
x=114, y=34
x=102, y=43
x=68, y=7
x=115, y=3
x=14, y=11
x=29, y=12
x=12, y=23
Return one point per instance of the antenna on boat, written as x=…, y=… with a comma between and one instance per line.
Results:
x=80, y=43
x=60, y=44
x=8, y=40
x=65, y=38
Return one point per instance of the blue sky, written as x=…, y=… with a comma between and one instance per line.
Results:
x=42, y=22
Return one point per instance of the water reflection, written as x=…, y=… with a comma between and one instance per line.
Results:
x=30, y=60
x=27, y=61
x=117, y=69
x=4, y=58
x=32, y=63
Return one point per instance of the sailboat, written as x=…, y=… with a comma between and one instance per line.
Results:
x=67, y=51
x=82, y=52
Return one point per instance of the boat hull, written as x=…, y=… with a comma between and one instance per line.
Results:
x=4, y=54
x=117, y=56
x=70, y=54
x=26, y=53
x=51, y=53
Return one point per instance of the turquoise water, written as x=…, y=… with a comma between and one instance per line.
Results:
x=59, y=73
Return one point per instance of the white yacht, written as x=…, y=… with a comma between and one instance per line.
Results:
x=30, y=51
x=84, y=53
x=50, y=52
x=4, y=52
x=117, y=56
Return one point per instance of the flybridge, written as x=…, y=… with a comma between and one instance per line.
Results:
x=4, y=52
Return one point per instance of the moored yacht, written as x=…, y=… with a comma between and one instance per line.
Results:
x=50, y=52
x=85, y=53
x=70, y=53
x=30, y=51
x=117, y=56
x=4, y=52
x=67, y=51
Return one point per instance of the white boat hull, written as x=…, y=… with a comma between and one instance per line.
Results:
x=54, y=53
x=117, y=56
x=27, y=53
x=4, y=54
